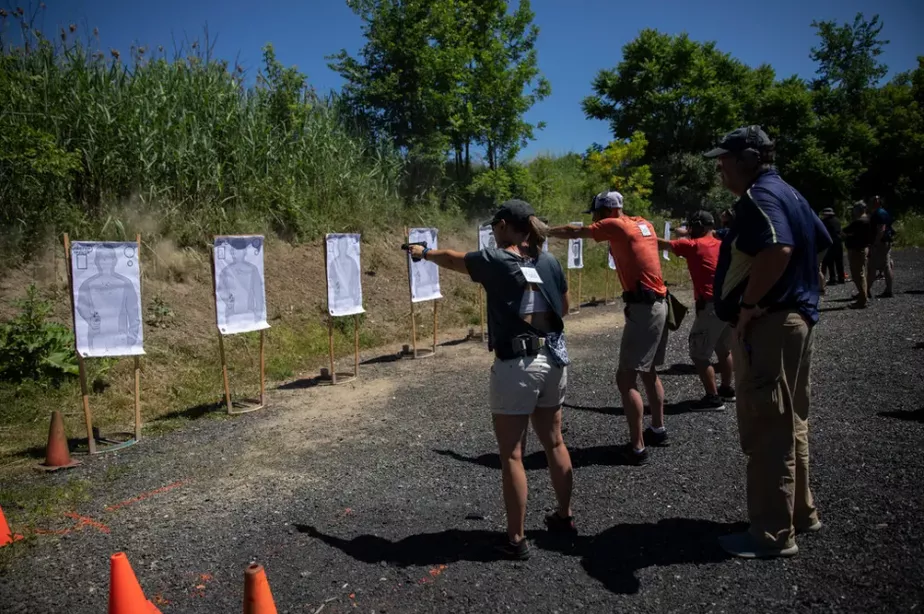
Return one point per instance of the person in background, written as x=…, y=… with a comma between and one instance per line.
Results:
x=766, y=286
x=832, y=266
x=709, y=334
x=634, y=245
x=857, y=238
x=880, y=251
x=527, y=299
x=726, y=219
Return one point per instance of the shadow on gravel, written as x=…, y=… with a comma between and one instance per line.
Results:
x=382, y=359
x=670, y=409
x=194, y=413
x=679, y=368
x=421, y=549
x=910, y=416
x=604, y=456
x=614, y=556
x=827, y=309
x=301, y=384
x=914, y=292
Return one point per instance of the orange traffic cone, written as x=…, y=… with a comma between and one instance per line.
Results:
x=6, y=536
x=257, y=596
x=125, y=595
x=57, y=456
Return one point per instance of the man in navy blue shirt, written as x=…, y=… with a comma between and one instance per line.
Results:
x=767, y=287
x=880, y=252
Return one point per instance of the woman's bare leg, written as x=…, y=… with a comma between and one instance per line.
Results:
x=547, y=424
x=511, y=432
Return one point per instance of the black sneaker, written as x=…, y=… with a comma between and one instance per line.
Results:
x=631, y=457
x=514, y=551
x=886, y=295
x=559, y=524
x=857, y=305
x=653, y=438
x=710, y=402
x=727, y=393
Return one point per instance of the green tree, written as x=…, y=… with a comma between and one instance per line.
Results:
x=680, y=93
x=441, y=75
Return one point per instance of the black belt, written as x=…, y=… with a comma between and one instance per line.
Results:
x=522, y=346
x=645, y=296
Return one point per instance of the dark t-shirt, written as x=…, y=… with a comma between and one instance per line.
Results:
x=771, y=213
x=498, y=270
x=881, y=217
x=859, y=234
x=833, y=226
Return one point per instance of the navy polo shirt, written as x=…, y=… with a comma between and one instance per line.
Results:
x=771, y=212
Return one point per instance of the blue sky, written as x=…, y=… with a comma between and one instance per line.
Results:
x=577, y=38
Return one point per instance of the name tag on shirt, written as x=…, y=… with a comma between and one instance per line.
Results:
x=531, y=275
x=645, y=231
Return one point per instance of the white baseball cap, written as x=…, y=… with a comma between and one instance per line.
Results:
x=606, y=200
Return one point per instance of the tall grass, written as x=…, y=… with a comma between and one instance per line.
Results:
x=95, y=142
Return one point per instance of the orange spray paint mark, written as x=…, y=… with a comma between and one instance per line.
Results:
x=145, y=495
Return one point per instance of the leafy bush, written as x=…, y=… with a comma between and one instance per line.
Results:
x=32, y=348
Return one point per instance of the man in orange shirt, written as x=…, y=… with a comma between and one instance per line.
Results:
x=634, y=245
x=709, y=334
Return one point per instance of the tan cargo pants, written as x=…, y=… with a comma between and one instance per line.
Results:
x=772, y=369
x=857, y=260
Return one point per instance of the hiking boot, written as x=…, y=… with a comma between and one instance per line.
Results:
x=518, y=551
x=727, y=394
x=857, y=305
x=710, y=402
x=653, y=438
x=560, y=524
x=886, y=294
x=634, y=457
x=746, y=546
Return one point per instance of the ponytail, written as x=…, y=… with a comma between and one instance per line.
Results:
x=536, y=236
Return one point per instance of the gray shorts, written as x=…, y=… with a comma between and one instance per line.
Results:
x=644, y=340
x=520, y=385
x=709, y=334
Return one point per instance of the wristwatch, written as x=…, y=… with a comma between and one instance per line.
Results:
x=424, y=254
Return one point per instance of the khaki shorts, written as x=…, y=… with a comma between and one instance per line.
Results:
x=644, y=340
x=709, y=334
x=520, y=385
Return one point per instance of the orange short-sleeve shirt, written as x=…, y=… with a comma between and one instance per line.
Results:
x=634, y=245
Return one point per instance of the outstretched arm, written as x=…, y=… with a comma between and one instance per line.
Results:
x=446, y=258
x=662, y=244
x=570, y=232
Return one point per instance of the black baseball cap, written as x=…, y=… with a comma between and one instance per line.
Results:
x=516, y=211
x=702, y=217
x=747, y=137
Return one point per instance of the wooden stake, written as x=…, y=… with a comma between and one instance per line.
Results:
x=137, y=358
x=224, y=370
x=81, y=368
x=436, y=325
x=569, y=287
x=606, y=286
x=407, y=239
x=330, y=346
x=355, y=345
x=262, y=367
x=580, y=284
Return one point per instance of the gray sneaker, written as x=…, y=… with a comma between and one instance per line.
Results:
x=746, y=546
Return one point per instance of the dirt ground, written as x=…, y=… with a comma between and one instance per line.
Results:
x=383, y=495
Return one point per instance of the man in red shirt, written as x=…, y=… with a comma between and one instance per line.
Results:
x=709, y=334
x=634, y=245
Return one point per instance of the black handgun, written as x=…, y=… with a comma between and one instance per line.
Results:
x=406, y=246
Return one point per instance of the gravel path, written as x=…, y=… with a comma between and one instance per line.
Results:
x=384, y=496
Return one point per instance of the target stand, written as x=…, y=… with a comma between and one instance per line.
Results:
x=96, y=443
